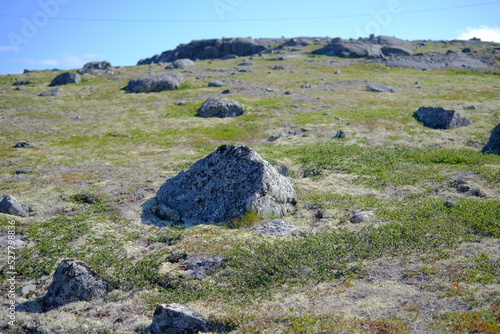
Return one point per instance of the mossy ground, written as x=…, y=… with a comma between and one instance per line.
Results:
x=419, y=267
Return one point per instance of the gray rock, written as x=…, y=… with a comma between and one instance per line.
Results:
x=74, y=281
x=362, y=217
x=221, y=107
x=96, y=68
x=66, y=78
x=22, y=144
x=493, y=145
x=449, y=204
x=180, y=64
x=276, y=227
x=287, y=133
x=155, y=82
x=166, y=213
x=18, y=242
x=229, y=56
x=11, y=206
x=226, y=185
x=179, y=319
x=27, y=290
x=52, y=92
x=306, y=85
x=381, y=89
x=200, y=269
x=339, y=135
x=439, y=118
x=216, y=83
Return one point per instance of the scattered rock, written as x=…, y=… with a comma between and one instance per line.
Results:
x=216, y=83
x=27, y=290
x=339, y=135
x=229, y=56
x=246, y=63
x=433, y=62
x=276, y=227
x=66, y=78
x=306, y=85
x=23, y=171
x=362, y=217
x=449, y=204
x=226, y=91
x=493, y=145
x=381, y=89
x=439, y=118
x=53, y=92
x=179, y=319
x=466, y=50
x=165, y=213
x=11, y=206
x=181, y=64
x=22, y=144
x=470, y=108
x=227, y=184
x=21, y=87
x=155, y=82
x=74, y=281
x=200, y=269
x=18, y=242
x=221, y=107
x=21, y=82
x=96, y=68
x=288, y=133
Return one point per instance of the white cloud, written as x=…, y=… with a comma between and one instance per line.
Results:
x=65, y=61
x=485, y=33
x=9, y=48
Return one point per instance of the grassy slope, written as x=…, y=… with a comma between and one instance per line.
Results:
x=419, y=266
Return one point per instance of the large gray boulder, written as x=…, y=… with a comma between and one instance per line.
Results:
x=11, y=206
x=180, y=64
x=493, y=145
x=179, y=319
x=96, y=68
x=74, y=281
x=66, y=78
x=227, y=184
x=221, y=107
x=155, y=82
x=439, y=118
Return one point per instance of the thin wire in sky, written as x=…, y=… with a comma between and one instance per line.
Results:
x=253, y=20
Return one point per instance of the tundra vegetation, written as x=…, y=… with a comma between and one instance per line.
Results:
x=427, y=260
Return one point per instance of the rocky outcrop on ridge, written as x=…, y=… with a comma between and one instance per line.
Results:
x=367, y=47
x=218, y=48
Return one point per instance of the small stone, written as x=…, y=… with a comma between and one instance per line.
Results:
x=22, y=144
x=216, y=83
x=276, y=227
x=306, y=85
x=339, y=135
x=226, y=91
x=221, y=107
x=27, y=290
x=449, y=204
x=166, y=213
x=362, y=217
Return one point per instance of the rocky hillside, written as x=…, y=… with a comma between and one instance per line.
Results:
x=305, y=185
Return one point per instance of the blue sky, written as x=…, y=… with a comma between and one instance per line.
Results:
x=65, y=34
